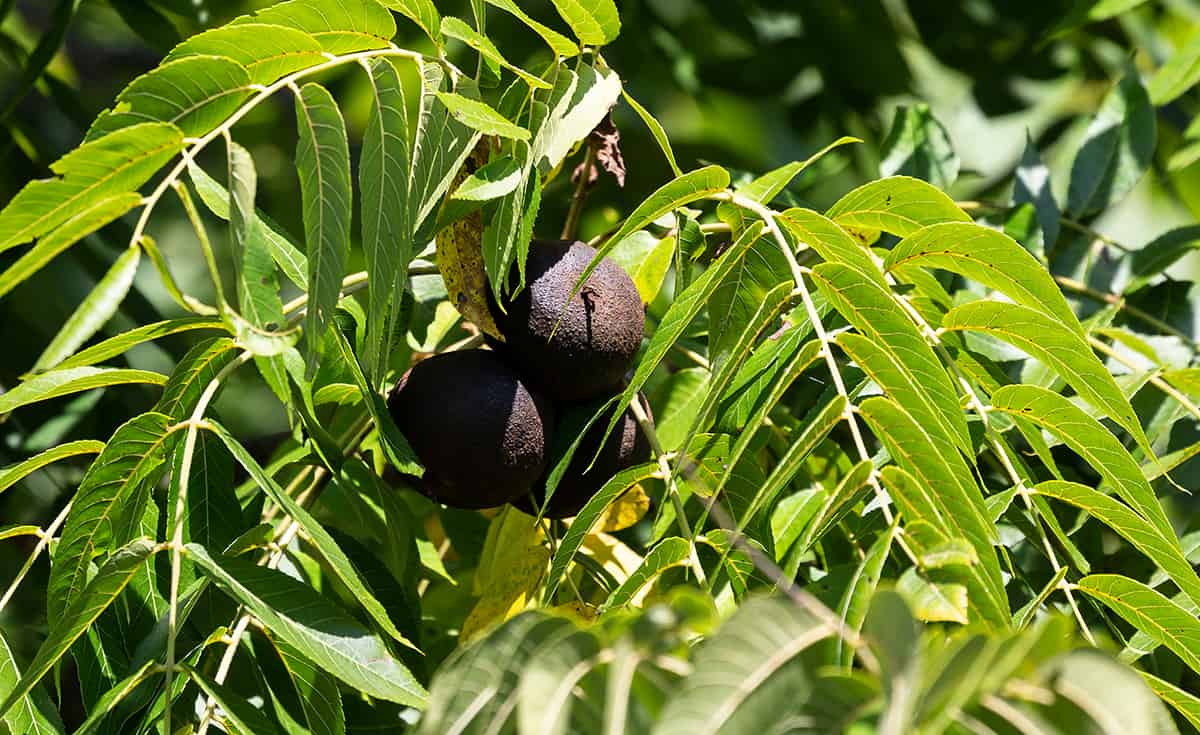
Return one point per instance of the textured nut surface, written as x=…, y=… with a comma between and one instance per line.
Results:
x=600, y=329
x=479, y=430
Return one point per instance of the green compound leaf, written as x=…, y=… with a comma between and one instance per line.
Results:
x=900, y=205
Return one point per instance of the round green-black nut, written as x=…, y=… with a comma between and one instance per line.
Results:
x=575, y=348
x=480, y=431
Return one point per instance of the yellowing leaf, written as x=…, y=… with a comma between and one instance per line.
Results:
x=507, y=591
x=460, y=257
x=626, y=511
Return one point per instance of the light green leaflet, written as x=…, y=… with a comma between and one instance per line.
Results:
x=594, y=22
x=480, y=116
x=1088, y=438
x=268, y=52
x=1149, y=612
x=989, y=257
x=93, y=312
x=15, y=473
x=1163, y=550
x=57, y=383
x=340, y=26
x=668, y=553
x=115, y=164
x=87, y=221
x=900, y=205
x=194, y=93
x=1061, y=350
x=830, y=241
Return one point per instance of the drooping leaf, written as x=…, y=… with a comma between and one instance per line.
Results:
x=99, y=169
x=1150, y=612
x=919, y=146
x=316, y=691
x=287, y=255
x=440, y=146
x=340, y=26
x=738, y=297
x=268, y=52
x=386, y=226
x=1090, y=440
x=581, y=100
x=749, y=675
x=1063, y=351
x=314, y=626
x=112, y=577
x=13, y=474
x=457, y=29
x=423, y=13
x=93, y=312
x=656, y=130
x=989, y=257
x=323, y=160
x=1116, y=150
x=558, y=43
x=193, y=93
x=56, y=383
x=114, y=696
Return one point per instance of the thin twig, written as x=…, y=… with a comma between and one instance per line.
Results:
x=582, y=187
x=1103, y=297
x=176, y=545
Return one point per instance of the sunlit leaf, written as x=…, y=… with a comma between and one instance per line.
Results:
x=267, y=51
x=340, y=27
x=595, y=22
x=312, y=624
x=64, y=382
x=112, y=165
